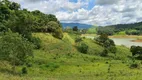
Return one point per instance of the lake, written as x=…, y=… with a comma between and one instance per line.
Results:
x=123, y=41
x=126, y=41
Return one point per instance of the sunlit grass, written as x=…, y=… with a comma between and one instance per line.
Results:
x=60, y=60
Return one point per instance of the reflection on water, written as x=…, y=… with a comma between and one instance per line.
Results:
x=123, y=41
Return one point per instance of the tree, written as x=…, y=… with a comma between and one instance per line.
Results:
x=55, y=29
x=52, y=17
x=83, y=48
x=107, y=43
x=52, y=26
x=15, y=49
x=14, y=6
x=58, y=33
x=136, y=50
x=75, y=28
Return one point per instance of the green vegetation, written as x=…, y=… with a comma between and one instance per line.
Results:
x=34, y=47
x=92, y=30
x=15, y=49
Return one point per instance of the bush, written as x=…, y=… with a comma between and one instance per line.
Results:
x=113, y=49
x=83, y=48
x=104, y=53
x=24, y=70
x=136, y=50
x=75, y=28
x=78, y=39
x=135, y=65
x=36, y=42
x=58, y=34
x=15, y=49
x=52, y=66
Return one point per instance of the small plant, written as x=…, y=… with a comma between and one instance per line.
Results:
x=29, y=64
x=83, y=48
x=36, y=42
x=134, y=65
x=78, y=39
x=52, y=66
x=24, y=70
x=104, y=53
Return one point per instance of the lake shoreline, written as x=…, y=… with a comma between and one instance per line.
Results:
x=127, y=40
x=138, y=38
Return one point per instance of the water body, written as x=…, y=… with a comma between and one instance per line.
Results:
x=126, y=42
x=123, y=41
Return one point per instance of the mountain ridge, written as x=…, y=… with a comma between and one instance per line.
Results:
x=79, y=25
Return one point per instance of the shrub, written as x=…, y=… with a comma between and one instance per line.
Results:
x=78, y=39
x=135, y=65
x=83, y=48
x=15, y=49
x=104, y=53
x=58, y=33
x=113, y=49
x=136, y=50
x=75, y=28
x=24, y=70
x=36, y=42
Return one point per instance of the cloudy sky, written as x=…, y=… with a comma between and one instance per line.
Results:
x=95, y=12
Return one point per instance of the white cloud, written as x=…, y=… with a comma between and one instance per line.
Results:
x=51, y=6
x=105, y=12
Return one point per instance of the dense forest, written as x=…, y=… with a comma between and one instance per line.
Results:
x=25, y=22
x=129, y=29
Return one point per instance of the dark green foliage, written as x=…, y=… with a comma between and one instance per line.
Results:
x=135, y=65
x=104, y=53
x=36, y=42
x=105, y=30
x=14, y=48
x=107, y=43
x=2, y=28
x=136, y=50
x=58, y=33
x=133, y=32
x=131, y=29
x=51, y=66
x=52, y=26
x=112, y=49
x=83, y=48
x=25, y=22
x=24, y=70
x=104, y=41
x=14, y=6
x=52, y=17
x=75, y=28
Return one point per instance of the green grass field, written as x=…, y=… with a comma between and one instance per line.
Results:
x=60, y=60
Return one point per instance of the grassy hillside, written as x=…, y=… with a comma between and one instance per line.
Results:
x=60, y=60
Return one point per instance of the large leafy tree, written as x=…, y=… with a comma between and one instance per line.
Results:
x=15, y=49
x=25, y=22
x=107, y=43
x=136, y=50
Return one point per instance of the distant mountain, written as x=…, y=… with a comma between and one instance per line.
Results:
x=127, y=26
x=79, y=25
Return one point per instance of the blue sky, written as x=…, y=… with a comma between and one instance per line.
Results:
x=95, y=12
